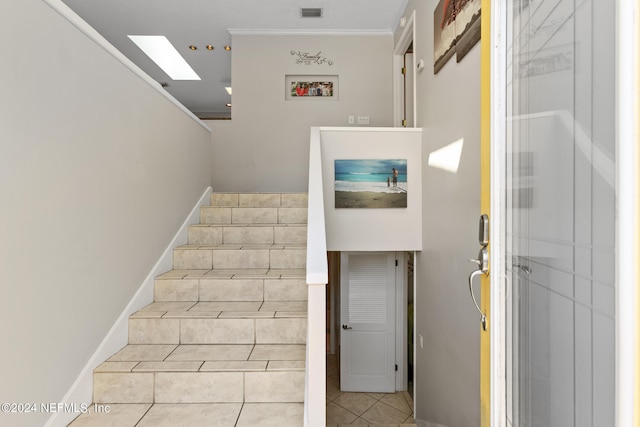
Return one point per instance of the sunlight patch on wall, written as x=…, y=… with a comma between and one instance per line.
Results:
x=448, y=157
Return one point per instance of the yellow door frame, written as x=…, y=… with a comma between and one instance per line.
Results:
x=485, y=203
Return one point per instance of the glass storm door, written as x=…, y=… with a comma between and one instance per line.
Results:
x=560, y=212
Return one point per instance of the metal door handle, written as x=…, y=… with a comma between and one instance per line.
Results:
x=483, y=317
x=345, y=327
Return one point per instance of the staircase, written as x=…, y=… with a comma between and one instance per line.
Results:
x=223, y=343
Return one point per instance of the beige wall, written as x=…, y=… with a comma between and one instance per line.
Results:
x=373, y=229
x=265, y=147
x=97, y=172
x=448, y=108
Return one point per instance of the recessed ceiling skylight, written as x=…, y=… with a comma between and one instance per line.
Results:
x=165, y=55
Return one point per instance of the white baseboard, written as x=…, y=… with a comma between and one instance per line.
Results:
x=81, y=391
x=421, y=423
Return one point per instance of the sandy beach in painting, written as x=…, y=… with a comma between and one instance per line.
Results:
x=370, y=199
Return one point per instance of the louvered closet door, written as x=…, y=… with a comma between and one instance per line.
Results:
x=367, y=337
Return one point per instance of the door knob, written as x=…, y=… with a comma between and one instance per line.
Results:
x=345, y=327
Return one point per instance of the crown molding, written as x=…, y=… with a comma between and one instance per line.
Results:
x=301, y=32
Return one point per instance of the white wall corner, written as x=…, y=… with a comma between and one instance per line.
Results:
x=81, y=391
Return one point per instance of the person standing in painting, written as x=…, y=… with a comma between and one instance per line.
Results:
x=395, y=177
x=388, y=182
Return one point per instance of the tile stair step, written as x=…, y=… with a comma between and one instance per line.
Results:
x=232, y=287
x=212, y=234
x=228, y=324
x=190, y=309
x=259, y=199
x=235, y=273
x=199, y=387
x=239, y=256
x=202, y=373
x=245, y=215
x=252, y=322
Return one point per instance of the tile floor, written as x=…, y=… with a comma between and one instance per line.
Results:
x=354, y=409
x=194, y=415
x=365, y=409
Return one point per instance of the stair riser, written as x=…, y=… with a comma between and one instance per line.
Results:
x=205, y=259
x=259, y=199
x=230, y=290
x=221, y=215
x=207, y=235
x=198, y=387
x=291, y=235
x=217, y=235
x=217, y=331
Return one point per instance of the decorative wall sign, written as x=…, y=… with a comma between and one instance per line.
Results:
x=371, y=183
x=307, y=58
x=306, y=87
x=456, y=29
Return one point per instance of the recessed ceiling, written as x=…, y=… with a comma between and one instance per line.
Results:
x=202, y=23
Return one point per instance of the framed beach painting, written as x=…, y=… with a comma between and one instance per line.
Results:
x=371, y=183
x=456, y=29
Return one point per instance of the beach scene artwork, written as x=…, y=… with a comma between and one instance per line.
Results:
x=371, y=183
x=456, y=29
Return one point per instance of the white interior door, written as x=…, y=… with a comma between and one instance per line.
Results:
x=367, y=337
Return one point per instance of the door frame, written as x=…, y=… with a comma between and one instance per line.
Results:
x=628, y=213
x=407, y=37
x=627, y=209
x=402, y=301
x=491, y=292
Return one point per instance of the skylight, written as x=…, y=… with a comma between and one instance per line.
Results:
x=165, y=55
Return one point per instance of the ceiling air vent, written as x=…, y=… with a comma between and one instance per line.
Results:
x=311, y=12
